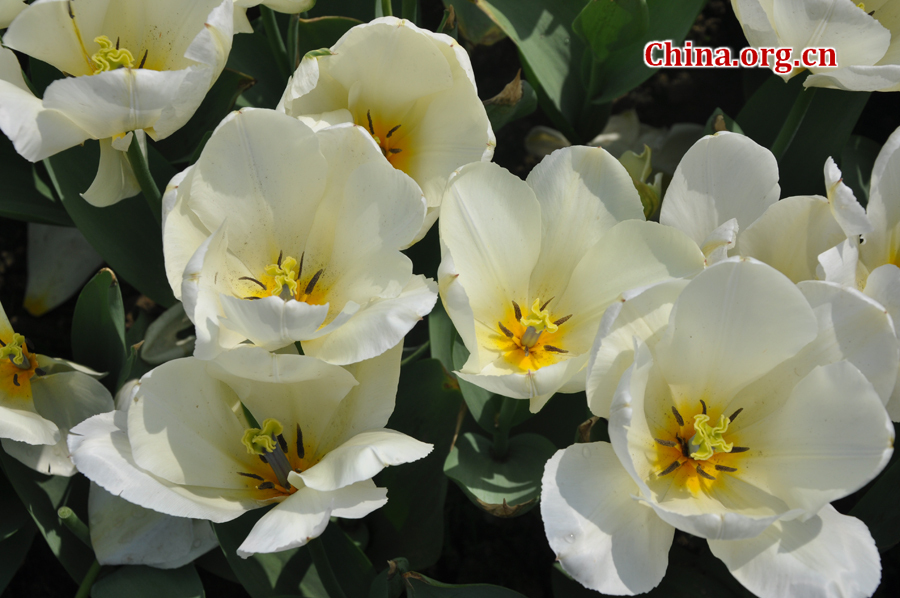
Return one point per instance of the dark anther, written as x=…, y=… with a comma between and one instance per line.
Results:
x=553, y=349
x=117, y=43
x=265, y=486
x=740, y=449
x=251, y=279
x=282, y=442
x=518, y=310
x=505, y=330
x=547, y=302
x=664, y=442
x=675, y=465
x=280, y=255
x=371, y=127
x=562, y=321
x=677, y=415
x=143, y=60
x=391, y=132
x=735, y=414
x=703, y=474
x=702, y=402
x=16, y=380
x=313, y=281
x=300, y=267
x=300, y=451
x=251, y=475
x=726, y=468
x=395, y=150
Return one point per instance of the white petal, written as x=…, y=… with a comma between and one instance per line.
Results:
x=847, y=211
x=304, y=516
x=60, y=260
x=602, y=535
x=363, y=456
x=115, y=178
x=721, y=177
x=828, y=556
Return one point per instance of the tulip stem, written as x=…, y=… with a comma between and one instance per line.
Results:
x=416, y=354
x=276, y=43
x=145, y=180
x=793, y=121
x=503, y=423
x=386, y=8
x=323, y=568
x=84, y=590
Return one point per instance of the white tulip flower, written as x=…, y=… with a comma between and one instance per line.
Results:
x=724, y=195
x=864, y=35
x=41, y=398
x=528, y=267
x=750, y=404
x=413, y=90
x=132, y=67
x=186, y=448
x=278, y=234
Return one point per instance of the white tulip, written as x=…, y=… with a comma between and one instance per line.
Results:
x=413, y=90
x=186, y=448
x=865, y=36
x=526, y=276
x=41, y=398
x=132, y=66
x=278, y=234
x=750, y=404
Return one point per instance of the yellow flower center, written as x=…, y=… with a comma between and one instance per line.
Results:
x=110, y=57
x=708, y=439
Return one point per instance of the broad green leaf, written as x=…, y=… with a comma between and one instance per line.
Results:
x=13, y=549
x=474, y=25
x=219, y=101
x=517, y=100
x=44, y=495
x=412, y=522
x=878, y=506
x=507, y=488
x=20, y=199
x=140, y=581
x=419, y=586
x=125, y=234
x=857, y=161
x=98, y=327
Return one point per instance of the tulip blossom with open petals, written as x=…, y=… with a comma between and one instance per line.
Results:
x=41, y=398
x=412, y=89
x=749, y=405
x=185, y=446
x=864, y=35
x=278, y=234
x=132, y=67
x=528, y=267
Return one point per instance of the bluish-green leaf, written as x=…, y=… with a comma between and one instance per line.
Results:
x=139, y=581
x=507, y=488
x=98, y=327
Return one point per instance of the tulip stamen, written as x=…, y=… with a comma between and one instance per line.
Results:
x=672, y=467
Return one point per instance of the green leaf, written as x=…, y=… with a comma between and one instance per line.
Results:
x=139, y=581
x=98, y=327
x=419, y=586
x=125, y=234
x=516, y=101
x=43, y=496
x=20, y=199
x=219, y=101
x=13, y=549
x=712, y=123
x=878, y=506
x=857, y=161
x=412, y=522
x=506, y=489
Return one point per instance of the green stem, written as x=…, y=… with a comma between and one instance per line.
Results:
x=793, y=121
x=323, y=568
x=500, y=448
x=84, y=590
x=386, y=8
x=75, y=525
x=416, y=353
x=276, y=43
x=145, y=180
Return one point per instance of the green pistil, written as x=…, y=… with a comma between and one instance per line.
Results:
x=707, y=440
x=14, y=351
x=110, y=57
x=261, y=442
